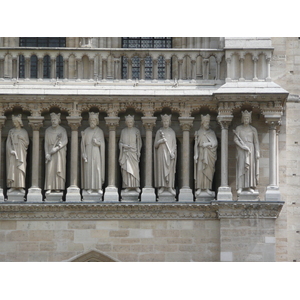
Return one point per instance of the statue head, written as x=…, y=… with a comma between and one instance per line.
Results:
x=166, y=120
x=205, y=119
x=247, y=115
x=18, y=119
x=94, y=118
x=55, y=119
x=129, y=120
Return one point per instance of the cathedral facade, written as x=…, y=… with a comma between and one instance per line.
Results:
x=149, y=149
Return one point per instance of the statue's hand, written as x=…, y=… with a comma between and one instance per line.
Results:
x=257, y=155
x=205, y=145
x=84, y=157
x=195, y=158
x=246, y=148
x=54, y=150
x=172, y=155
x=12, y=152
x=48, y=157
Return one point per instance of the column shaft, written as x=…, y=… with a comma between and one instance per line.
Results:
x=35, y=192
x=186, y=194
x=148, y=192
x=73, y=191
x=2, y=121
x=111, y=192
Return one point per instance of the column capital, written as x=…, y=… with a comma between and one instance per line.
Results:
x=224, y=120
x=36, y=122
x=149, y=122
x=186, y=123
x=74, y=122
x=112, y=122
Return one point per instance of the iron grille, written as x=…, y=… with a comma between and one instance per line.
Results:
x=145, y=42
x=41, y=42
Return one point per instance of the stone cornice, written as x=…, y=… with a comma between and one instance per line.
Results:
x=211, y=210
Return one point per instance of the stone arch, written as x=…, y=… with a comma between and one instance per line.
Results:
x=92, y=256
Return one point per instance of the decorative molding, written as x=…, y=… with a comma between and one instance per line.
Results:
x=211, y=210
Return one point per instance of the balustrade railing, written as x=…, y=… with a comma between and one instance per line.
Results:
x=102, y=64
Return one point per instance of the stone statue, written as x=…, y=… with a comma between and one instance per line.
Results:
x=130, y=151
x=205, y=156
x=165, y=155
x=93, y=156
x=55, y=151
x=247, y=166
x=16, y=153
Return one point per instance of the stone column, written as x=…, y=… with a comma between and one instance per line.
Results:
x=35, y=192
x=66, y=68
x=91, y=69
x=155, y=70
x=142, y=69
x=186, y=193
x=224, y=191
x=193, y=63
x=228, y=61
x=180, y=63
x=168, y=70
x=242, y=69
x=2, y=121
x=27, y=68
x=104, y=69
x=53, y=68
x=148, y=192
x=255, y=59
x=40, y=68
x=111, y=192
x=205, y=68
x=129, y=69
x=2, y=68
x=268, y=69
x=273, y=193
x=73, y=191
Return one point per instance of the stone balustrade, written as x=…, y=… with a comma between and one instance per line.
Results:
x=102, y=64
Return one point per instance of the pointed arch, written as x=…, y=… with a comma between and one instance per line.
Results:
x=92, y=256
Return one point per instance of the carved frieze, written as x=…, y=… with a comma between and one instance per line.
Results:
x=213, y=210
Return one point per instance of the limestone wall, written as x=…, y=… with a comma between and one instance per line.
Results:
x=121, y=240
x=285, y=70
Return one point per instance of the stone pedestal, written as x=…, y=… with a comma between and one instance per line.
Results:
x=148, y=195
x=73, y=194
x=224, y=193
x=185, y=195
x=111, y=194
x=130, y=196
x=166, y=197
x=272, y=194
x=16, y=196
x=204, y=196
x=54, y=197
x=34, y=195
x=91, y=197
x=248, y=196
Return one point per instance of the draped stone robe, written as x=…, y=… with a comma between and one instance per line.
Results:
x=55, y=176
x=16, y=166
x=93, y=171
x=129, y=158
x=247, y=167
x=164, y=166
x=206, y=158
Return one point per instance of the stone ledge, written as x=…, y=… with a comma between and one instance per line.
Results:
x=213, y=210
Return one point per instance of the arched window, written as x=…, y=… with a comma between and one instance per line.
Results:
x=42, y=42
x=145, y=42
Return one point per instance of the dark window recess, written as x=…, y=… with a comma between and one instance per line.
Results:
x=145, y=42
x=41, y=42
